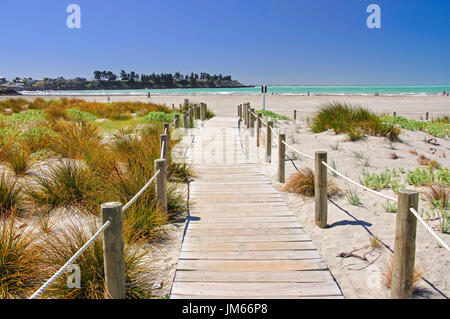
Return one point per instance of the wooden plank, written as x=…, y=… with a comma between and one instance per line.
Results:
x=254, y=276
x=240, y=213
x=251, y=255
x=246, y=219
x=205, y=232
x=251, y=265
x=267, y=225
x=229, y=246
x=251, y=289
x=248, y=238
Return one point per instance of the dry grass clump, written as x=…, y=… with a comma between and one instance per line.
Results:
x=65, y=184
x=302, y=182
x=353, y=120
x=438, y=195
x=11, y=199
x=59, y=246
x=17, y=158
x=20, y=259
x=73, y=139
x=387, y=274
x=424, y=161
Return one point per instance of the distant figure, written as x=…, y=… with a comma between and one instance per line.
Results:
x=109, y=99
x=149, y=95
x=308, y=93
x=443, y=93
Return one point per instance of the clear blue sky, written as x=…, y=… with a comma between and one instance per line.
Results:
x=264, y=41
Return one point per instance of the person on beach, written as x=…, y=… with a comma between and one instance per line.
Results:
x=149, y=95
x=443, y=93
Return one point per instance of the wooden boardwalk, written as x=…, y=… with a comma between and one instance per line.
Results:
x=242, y=241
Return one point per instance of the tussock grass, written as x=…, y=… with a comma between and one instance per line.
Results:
x=20, y=259
x=59, y=246
x=353, y=120
x=302, y=183
x=17, y=158
x=64, y=184
x=438, y=195
x=73, y=139
x=387, y=274
x=11, y=198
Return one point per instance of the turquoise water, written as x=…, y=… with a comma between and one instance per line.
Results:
x=276, y=90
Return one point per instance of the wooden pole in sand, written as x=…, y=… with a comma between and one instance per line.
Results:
x=203, y=111
x=281, y=156
x=185, y=120
x=405, y=245
x=258, y=129
x=167, y=130
x=252, y=122
x=177, y=120
x=161, y=184
x=320, y=190
x=239, y=111
x=295, y=116
x=164, y=142
x=269, y=141
x=186, y=102
x=113, y=251
x=191, y=117
x=427, y=115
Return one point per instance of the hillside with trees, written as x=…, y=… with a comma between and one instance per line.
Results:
x=107, y=80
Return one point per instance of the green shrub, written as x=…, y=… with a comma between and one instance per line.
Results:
x=79, y=116
x=438, y=127
x=273, y=115
x=160, y=116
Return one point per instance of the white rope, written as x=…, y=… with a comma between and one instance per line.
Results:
x=429, y=228
x=301, y=153
x=359, y=185
x=143, y=189
x=273, y=131
x=162, y=150
x=173, y=123
x=49, y=282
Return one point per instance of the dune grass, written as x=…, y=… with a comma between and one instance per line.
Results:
x=20, y=259
x=352, y=120
x=302, y=182
x=59, y=246
x=438, y=127
x=11, y=197
x=85, y=169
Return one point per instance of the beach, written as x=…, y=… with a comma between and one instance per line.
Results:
x=413, y=107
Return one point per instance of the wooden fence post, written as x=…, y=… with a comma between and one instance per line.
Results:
x=252, y=122
x=239, y=111
x=186, y=102
x=295, y=116
x=197, y=112
x=245, y=114
x=281, y=156
x=185, y=120
x=191, y=118
x=395, y=114
x=427, y=115
x=320, y=190
x=165, y=140
x=113, y=251
x=161, y=184
x=203, y=111
x=405, y=245
x=258, y=129
x=167, y=130
x=177, y=120
x=269, y=141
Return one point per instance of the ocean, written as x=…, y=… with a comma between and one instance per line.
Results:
x=276, y=90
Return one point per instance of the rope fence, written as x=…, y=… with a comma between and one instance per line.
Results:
x=112, y=217
x=407, y=201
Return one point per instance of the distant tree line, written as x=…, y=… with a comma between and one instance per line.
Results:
x=132, y=80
